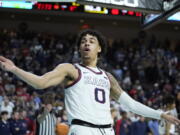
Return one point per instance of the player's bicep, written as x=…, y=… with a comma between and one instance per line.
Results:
x=58, y=75
x=115, y=90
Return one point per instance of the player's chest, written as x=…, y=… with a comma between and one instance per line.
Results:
x=96, y=80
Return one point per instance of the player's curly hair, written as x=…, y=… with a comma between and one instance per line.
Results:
x=101, y=39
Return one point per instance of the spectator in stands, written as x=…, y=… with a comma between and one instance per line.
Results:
x=26, y=122
x=114, y=114
x=178, y=104
x=153, y=126
x=123, y=125
x=140, y=127
x=16, y=124
x=4, y=124
x=9, y=86
x=118, y=72
x=6, y=105
x=136, y=59
x=1, y=87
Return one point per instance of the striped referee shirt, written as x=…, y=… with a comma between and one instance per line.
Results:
x=47, y=125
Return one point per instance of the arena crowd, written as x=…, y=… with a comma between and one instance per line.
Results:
x=147, y=68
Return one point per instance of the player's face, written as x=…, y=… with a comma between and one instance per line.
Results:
x=89, y=47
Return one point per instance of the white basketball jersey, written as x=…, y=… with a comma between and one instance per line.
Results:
x=162, y=126
x=88, y=98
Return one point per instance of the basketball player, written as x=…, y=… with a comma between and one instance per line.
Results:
x=169, y=106
x=88, y=89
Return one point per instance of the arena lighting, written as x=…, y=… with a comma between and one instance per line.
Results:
x=151, y=20
x=16, y=4
x=174, y=17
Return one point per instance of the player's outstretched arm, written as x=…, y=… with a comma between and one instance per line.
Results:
x=52, y=78
x=122, y=97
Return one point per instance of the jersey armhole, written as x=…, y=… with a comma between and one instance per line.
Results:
x=75, y=81
x=108, y=78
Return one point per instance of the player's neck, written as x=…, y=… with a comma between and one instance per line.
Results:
x=90, y=63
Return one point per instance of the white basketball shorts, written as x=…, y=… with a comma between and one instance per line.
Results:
x=84, y=130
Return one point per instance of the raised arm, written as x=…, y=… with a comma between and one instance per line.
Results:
x=123, y=98
x=51, y=78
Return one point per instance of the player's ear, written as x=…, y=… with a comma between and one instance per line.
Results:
x=99, y=49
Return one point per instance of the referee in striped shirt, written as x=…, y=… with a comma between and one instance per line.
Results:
x=46, y=120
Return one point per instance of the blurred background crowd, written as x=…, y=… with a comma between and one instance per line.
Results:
x=148, y=69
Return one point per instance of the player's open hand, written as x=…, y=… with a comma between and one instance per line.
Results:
x=171, y=119
x=6, y=64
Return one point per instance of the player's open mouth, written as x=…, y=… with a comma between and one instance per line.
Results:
x=86, y=49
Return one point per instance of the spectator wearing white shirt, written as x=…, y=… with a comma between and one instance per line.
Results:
x=8, y=106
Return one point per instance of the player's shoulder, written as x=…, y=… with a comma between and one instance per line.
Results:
x=67, y=66
x=109, y=75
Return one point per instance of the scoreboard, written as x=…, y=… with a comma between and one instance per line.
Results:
x=74, y=7
x=132, y=3
x=148, y=6
x=67, y=7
